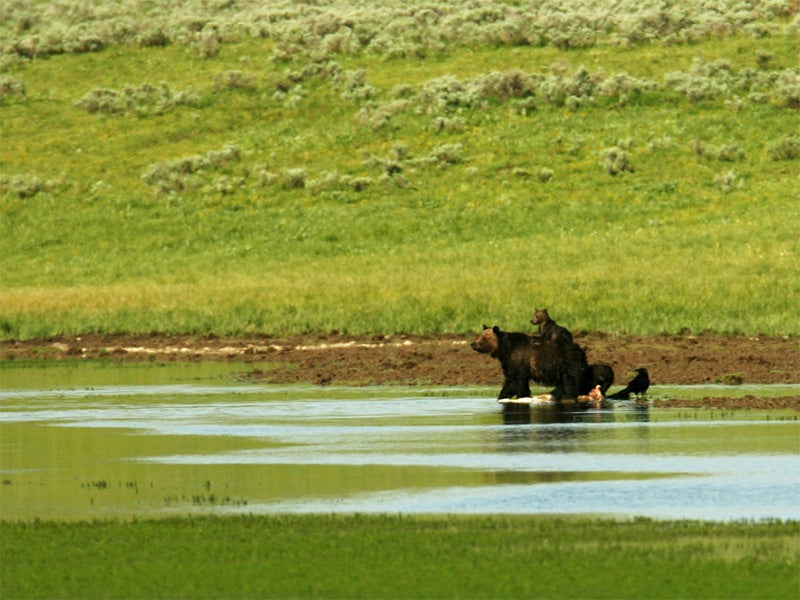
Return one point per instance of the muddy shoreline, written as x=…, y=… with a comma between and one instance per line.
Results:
x=445, y=360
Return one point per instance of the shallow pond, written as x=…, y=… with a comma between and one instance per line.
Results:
x=94, y=440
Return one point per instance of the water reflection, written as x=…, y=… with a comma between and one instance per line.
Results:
x=523, y=414
x=177, y=446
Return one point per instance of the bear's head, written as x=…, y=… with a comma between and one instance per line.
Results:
x=540, y=316
x=488, y=341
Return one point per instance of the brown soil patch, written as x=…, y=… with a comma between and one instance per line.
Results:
x=445, y=360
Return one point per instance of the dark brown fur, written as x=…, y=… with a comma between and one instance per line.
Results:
x=597, y=374
x=548, y=328
x=524, y=358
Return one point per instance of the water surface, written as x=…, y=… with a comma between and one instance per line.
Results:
x=96, y=440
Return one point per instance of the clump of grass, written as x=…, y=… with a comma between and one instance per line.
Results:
x=730, y=379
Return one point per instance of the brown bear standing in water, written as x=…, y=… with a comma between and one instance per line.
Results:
x=549, y=328
x=524, y=358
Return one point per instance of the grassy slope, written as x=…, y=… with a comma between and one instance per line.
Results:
x=664, y=248
x=382, y=557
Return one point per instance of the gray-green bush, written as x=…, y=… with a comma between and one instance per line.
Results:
x=146, y=99
x=786, y=148
x=389, y=27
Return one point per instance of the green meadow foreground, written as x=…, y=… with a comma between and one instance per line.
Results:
x=399, y=557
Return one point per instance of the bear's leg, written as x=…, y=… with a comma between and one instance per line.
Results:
x=508, y=390
x=571, y=385
x=523, y=387
x=564, y=388
x=515, y=385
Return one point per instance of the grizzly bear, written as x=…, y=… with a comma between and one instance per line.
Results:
x=549, y=328
x=524, y=358
x=597, y=374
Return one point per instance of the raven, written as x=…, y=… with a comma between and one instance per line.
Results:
x=638, y=385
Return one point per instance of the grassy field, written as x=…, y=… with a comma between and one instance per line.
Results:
x=324, y=167
x=397, y=557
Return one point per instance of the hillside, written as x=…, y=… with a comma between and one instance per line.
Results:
x=237, y=168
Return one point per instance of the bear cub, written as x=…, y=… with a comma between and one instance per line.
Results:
x=549, y=328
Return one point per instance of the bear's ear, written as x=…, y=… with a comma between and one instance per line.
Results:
x=496, y=330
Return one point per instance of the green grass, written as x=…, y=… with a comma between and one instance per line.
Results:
x=399, y=557
x=683, y=242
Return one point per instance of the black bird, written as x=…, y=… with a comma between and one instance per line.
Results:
x=638, y=385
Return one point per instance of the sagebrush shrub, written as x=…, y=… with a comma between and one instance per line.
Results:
x=353, y=86
x=219, y=158
x=379, y=116
x=615, y=160
x=786, y=148
x=323, y=28
x=729, y=181
x=704, y=80
x=147, y=99
x=325, y=181
x=294, y=178
x=11, y=88
x=544, y=174
x=182, y=174
x=104, y=100
x=154, y=35
x=505, y=85
x=787, y=89
x=731, y=152
x=206, y=44
x=446, y=154
x=448, y=124
x=234, y=79
x=21, y=185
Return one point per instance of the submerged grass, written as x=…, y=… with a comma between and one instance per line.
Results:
x=266, y=186
x=399, y=557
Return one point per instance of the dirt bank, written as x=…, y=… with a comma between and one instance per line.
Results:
x=442, y=360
